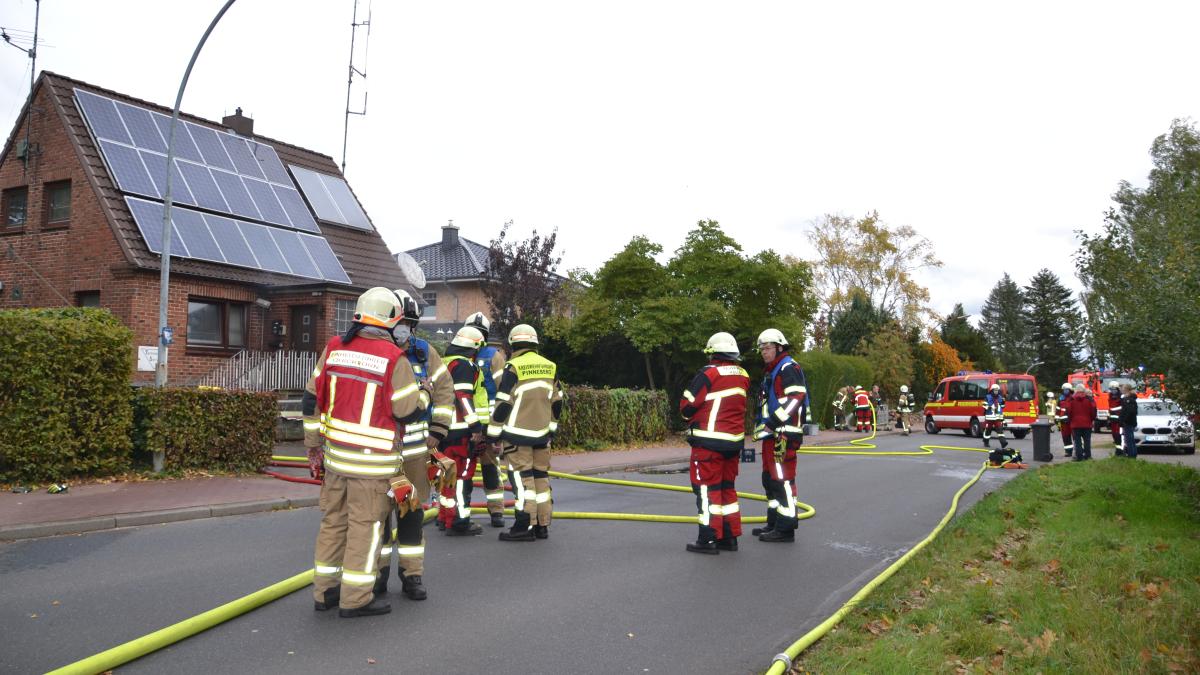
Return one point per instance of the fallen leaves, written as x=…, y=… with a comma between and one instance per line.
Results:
x=1052, y=567
x=879, y=626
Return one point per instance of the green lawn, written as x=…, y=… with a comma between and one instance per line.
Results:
x=1090, y=567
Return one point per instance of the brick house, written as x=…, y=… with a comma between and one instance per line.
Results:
x=454, y=269
x=264, y=258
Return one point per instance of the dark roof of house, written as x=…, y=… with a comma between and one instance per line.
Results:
x=364, y=255
x=463, y=259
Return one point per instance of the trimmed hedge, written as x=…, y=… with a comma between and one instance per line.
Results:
x=598, y=418
x=65, y=398
x=827, y=372
x=207, y=429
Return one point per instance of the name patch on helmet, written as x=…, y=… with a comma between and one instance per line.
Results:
x=358, y=360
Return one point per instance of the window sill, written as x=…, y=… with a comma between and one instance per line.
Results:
x=198, y=350
x=56, y=225
x=13, y=229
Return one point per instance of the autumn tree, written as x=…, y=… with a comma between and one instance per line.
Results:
x=880, y=260
x=957, y=331
x=521, y=279
x=891, y=359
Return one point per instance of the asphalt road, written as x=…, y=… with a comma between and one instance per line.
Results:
x=598, y=596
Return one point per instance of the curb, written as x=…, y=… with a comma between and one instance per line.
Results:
x=82, y=525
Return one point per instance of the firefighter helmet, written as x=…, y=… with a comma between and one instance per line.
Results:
x=995, y=386
x=1066, y=386
x=904, y=389
x=411, y=310
x=522, y=334
x=378, y=307
x=772, y=335
x=479, y=321
x=722, y=343
x=469, y=337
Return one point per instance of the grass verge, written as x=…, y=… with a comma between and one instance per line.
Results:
x=1089, y=567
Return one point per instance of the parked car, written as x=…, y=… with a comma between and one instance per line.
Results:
x=1163, y=424
x=957, y=402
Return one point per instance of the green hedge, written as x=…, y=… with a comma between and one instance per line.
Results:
x=208, y=429
x=64, y=402
x=599, y=418
x=826, y=373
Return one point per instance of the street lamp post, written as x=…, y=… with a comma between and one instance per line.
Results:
x=1033, y=365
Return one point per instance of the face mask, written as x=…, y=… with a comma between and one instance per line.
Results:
x=401, y=333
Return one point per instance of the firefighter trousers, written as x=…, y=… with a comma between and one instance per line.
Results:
x=994, y=430
x=489, y=466
x=530, y=479
x=1114, y=427
x=354, y=517
x=454, y=506
x=405, y=539
x=779, y=483
x=713, y=476
x=863, y=417
x=1068, y=443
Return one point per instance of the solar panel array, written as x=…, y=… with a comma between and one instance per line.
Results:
x=331, y=198
x=206, y=236
x=214, y=170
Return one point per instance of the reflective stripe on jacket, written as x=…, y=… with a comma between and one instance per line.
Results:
x=470, y=398
x=528, y=401
x=715, y=407
x=784, y=399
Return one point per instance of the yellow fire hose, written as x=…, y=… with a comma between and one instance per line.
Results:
x=142, y=646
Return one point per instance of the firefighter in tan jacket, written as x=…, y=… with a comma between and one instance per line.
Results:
x=528, y=403
x=355, y=406
x=490, y=363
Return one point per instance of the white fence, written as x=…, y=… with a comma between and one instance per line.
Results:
x=262, y=371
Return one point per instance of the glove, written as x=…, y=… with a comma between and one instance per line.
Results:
x=316, y=463
x=476, y=446
x=432, y=442
x=441, y=471
x=406, y=497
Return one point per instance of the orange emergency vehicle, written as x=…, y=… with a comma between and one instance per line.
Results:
x=1101, y=381
x=957, y=402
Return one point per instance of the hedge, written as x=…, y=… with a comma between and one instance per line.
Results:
x=826, y=373
x=209, y=429
x=598, y=418
x=65, y=398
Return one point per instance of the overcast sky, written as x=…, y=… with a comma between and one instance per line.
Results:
x=994, y=129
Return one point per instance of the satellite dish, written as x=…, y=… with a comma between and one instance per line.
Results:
x=411, y=270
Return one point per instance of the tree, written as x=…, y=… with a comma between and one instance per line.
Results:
x=1004, y=326
x=891, y=360
x=855, y=324
x=1144, y=269
x=1054, y=324
x=958, y=332
x=869, y=255
x=937, y=360
x=521, y=280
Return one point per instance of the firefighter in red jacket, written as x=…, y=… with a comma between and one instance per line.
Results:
x=784, y=399
x=355, y=405
x=714, y=406
x=862, y=409
x=464, y=441
x=1064, y=425
x=1114, y=417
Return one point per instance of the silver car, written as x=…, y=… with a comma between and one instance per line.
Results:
x=1161, y=423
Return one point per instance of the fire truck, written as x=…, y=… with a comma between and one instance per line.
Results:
x=1101, y=381
x=957, y=402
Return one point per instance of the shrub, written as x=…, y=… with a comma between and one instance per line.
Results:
x=65, y=399
x=595, y=418
x=207, y=429
x=826, y=373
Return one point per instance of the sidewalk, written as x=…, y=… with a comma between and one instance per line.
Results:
x=103, y=506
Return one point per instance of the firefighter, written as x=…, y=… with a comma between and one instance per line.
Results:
x=1114, y=417
x=714, y=407
x=784, y=397
x=422, y=460
x=355, y=406
x=839, y=410
x=528, y=403
x=904, y=407
x=993, y=429
x=1064, y=426
x=464, y=442
x=490, y=362
x=1052, y=409
x=862, y=410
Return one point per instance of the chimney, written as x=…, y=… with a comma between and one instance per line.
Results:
x=239, y=123
x=449, y=235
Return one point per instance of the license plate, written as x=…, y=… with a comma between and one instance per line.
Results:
x=1158, y=439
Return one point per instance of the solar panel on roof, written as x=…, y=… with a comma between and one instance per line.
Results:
x=149, y=219
x=210, y=147
x=266, y=201
x=331, y=198
x=242, y=158
x=233, y=244
x=203, y=187
x=264, y=247
x=326, y=260
x=184, y=147
x=141, y=128
x=295, y=253
x=268, y=159
x=157, y=165
x=126, y=167
x=346, y=202
x=296, y=210
x=101, y=114
x=194, y=234
x=236, y=195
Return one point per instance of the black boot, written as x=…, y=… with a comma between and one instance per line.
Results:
x=332, y=596
x=517, y=535
x=381, y=581
x=779, y=536
x=541, y=531
x=497, y=520
x=727, y=544
x=987, y=441
x=463, y=529
x=762, y=530
x=440, y=525
x=413, y=590
x=703, y=547
x=375, y=607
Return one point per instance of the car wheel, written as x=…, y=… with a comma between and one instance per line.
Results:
x=1020, y=433
x=931, y=427
x=1190, y=450
x=975, y=428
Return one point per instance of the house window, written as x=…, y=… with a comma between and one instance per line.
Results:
x=429, y=300
x=14, y=206
x=58, y=202
x=217, y=324
x=343, y=316
x=87, y=298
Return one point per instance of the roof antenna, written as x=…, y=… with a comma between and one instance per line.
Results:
x=354, y=26
x=32, y=52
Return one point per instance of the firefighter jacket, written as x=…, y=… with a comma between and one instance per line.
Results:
x=840, y=401
x=784, y=399
x=905, y=403
x=427, y=365
x=1061, y=413
x=861, y=400
x=490, y=362
x=714, y=406
x=993, y=407
x=470, y=398
x=358, y=399
x=1114, y=405
x=1051, y=405
x=528, y=401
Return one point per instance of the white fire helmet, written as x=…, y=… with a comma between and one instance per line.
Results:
x=522, y=333
x=904, y=389
x=722, y=343
x=469, y=337
x=995, y=386
x=378, y=307
x=772, y=335
x=412, y=311
x=479, y=321
x=1066, y=386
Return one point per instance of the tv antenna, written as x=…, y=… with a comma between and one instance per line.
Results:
x=31, y=51
x=355, y=24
